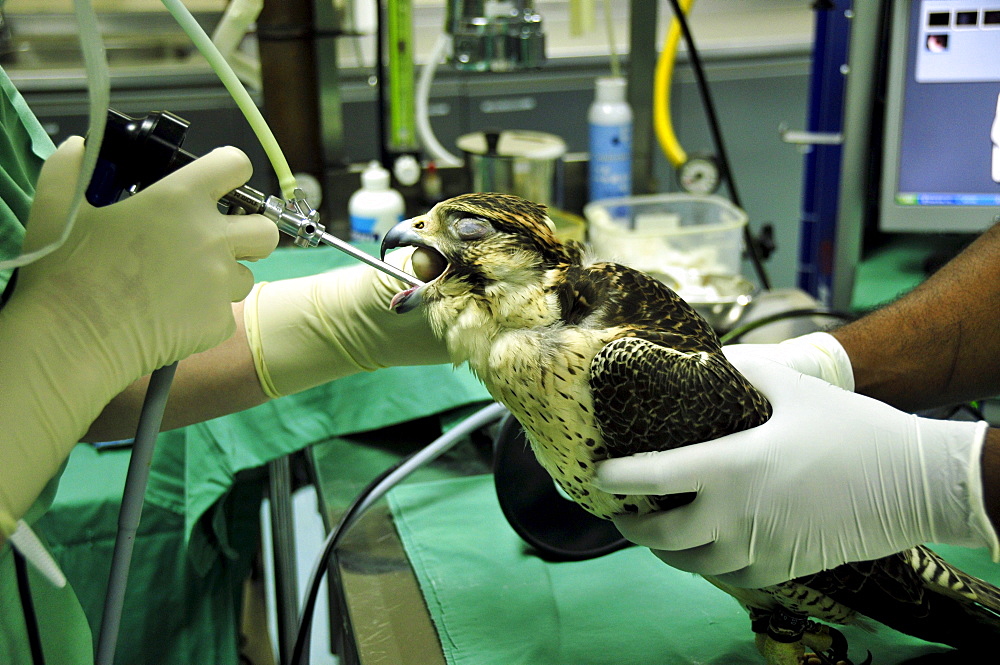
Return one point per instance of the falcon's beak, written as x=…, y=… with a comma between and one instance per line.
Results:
x=401, y=235
x=405, y=235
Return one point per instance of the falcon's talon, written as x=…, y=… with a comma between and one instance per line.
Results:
x=837, y=653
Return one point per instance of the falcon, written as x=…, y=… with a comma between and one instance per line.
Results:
x=597, y=360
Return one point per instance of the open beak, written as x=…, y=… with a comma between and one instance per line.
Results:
x=401, y=235
x=427, y=261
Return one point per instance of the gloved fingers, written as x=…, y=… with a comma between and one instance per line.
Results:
x=790, y=392
x=53, y=193
x=674, y=530
x=241, y=281
x=251, y=237
x=712, y=560
x=781, y=385
x=217, y=173
x=63, y=166
x=736, y=352
x=816, y=354
x=765, y=374
x=667, y=472
x=786, y=356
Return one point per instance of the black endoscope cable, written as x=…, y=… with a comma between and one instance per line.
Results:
x=130, y=513
x=753, y=251
x=374, y=491
x=734, y=335
x=28, y=608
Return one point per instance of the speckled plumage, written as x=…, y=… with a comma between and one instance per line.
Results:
x=599, y=360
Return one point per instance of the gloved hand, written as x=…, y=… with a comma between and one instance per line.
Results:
x=995, y=138
x=311, y=330
x=817, y=354
x=137, y=285
x=832, y=477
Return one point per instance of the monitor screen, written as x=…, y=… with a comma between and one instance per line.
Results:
x=941, y=149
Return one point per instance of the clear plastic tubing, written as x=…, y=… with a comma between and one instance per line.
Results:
x=232, y=82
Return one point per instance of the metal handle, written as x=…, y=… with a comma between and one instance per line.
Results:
x=803, y=137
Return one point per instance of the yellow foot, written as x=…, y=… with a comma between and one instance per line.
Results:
x=829, y=646
x=780, y=653
x=820, y=645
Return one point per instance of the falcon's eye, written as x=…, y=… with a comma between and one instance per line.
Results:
x=472, y=228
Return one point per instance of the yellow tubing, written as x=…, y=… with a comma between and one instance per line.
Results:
x=662, y=122
x=229, y=79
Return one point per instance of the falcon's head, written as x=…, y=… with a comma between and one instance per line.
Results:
x=490, y=263
x=483, y=247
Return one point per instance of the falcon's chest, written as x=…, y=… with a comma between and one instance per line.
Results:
x=543, y=377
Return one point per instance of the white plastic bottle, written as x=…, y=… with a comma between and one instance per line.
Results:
x=376, y=207
x=610, y=123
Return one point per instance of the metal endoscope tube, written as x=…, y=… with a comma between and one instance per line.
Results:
x=306, y=230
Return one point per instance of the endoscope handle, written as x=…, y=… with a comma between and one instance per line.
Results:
x=136, y=152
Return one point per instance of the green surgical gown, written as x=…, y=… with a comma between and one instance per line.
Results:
x=65, y=634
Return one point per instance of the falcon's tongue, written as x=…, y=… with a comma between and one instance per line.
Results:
x=404, y=301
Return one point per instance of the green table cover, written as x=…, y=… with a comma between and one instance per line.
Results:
x=493, y=603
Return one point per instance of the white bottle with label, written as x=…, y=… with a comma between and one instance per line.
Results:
x=610, y=124
x=376, y=207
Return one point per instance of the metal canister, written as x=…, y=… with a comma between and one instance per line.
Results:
x=521, y=162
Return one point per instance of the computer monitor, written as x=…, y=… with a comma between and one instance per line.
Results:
x=941, y=143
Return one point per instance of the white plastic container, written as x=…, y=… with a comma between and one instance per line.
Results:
x=692, y=243
x=376, y=207
x=610, y=126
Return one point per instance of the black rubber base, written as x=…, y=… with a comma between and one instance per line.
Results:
x=554, y=525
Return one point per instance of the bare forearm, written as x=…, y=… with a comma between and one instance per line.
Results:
x=939, y=344
x=207, y=385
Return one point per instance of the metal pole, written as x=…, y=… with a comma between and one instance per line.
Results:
x=283, y=548
x=641, y=70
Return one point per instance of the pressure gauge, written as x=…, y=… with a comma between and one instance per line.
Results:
x=699, y=174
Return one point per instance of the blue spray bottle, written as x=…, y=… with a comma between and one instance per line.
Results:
x=610, y=122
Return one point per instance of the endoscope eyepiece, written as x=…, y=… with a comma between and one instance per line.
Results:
x=135, y=153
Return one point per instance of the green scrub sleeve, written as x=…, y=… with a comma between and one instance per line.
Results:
x=24, y=146
x=66, y=636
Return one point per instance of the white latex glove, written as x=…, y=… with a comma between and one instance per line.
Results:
x=995, y=138
x=832, y=477
x=817, y=354
x=138, y=285
x=311, y=330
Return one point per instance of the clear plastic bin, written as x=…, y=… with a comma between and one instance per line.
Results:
x=692, y=243
x=647, y=232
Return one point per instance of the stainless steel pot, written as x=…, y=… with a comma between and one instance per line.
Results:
x=526, y=163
